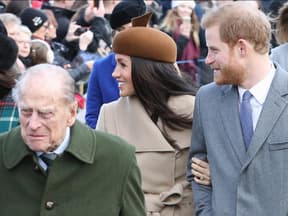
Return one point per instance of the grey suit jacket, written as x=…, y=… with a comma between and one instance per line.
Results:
x=279, y=54
x=243, y=183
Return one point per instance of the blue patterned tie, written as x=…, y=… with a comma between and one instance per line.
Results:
x=246, y=118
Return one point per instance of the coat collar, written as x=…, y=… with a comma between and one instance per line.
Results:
x=13, y=148
x=82, y=142
x=82, y=145
x=132, y=112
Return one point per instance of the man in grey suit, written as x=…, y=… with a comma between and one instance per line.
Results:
x=248, y=155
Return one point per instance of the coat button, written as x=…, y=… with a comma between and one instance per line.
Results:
x=49, y=205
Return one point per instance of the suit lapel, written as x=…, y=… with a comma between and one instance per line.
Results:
x=273, y=107
x=229, y=111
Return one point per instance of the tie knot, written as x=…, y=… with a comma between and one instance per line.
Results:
x=246, y=96
x=48, y=157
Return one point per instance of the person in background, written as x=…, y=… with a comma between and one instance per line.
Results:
x=279, y=53
x=40, y=53
x=102, y=87
x=53, y=163
x=9, y=72
x=52, y=26
x=37, y=21
x=181, y=23
x=95, y=42
x=63, y=13
x=24, y=44
x=12, y=24
x=16, y=6
x=153, y=113
x=204, y=72
x=156, y=8
x=238, y=119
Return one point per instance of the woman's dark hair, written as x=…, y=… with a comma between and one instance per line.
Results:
x=154, y=82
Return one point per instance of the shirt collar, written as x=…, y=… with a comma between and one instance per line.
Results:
x=260, y=90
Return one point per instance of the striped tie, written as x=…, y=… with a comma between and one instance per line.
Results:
x=48, y=158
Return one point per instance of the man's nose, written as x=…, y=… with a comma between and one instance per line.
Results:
x=34, y=121
x=209, y=59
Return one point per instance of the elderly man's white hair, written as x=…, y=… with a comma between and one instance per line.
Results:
x=49, y=74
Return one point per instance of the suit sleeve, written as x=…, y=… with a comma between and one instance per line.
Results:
x=201, y=193
x=133, y=196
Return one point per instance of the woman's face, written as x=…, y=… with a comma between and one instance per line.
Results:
x=24, y=43
x=51, y=32
x=184, y=10
x=122, y=74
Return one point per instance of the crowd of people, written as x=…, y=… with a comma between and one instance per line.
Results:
x=185, y=101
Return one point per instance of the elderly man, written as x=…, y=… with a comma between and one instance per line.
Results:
x=54, y=165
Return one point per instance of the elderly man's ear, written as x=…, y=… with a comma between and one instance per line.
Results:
x=73, y=113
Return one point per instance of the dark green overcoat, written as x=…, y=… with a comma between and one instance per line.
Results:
x=96, y=175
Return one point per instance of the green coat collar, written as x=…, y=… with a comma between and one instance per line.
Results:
x=82, y=145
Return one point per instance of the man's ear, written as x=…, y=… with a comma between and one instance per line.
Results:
x=73, y=107
x=242, y=47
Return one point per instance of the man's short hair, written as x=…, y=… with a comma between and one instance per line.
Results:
x=237, y=21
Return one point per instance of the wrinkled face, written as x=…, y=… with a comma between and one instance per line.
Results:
x=24, y=44
x=44, y=116
x=184, y=10
x=122, y=74
x=223, y=59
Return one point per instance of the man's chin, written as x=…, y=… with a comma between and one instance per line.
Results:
x=38, y=146
x=221, y=81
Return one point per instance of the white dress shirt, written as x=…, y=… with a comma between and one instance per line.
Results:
x=259, y=92
x=60, y=149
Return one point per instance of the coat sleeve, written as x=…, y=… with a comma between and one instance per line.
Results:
x=94, y=98
x=201, y=193
x=133, y=196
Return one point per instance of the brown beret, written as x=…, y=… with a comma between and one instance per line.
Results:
x=145, y=42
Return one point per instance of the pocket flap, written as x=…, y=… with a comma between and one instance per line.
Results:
x=278, y=145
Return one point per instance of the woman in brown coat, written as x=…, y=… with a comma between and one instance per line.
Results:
x=154, y=113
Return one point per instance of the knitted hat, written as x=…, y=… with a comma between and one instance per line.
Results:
x=33, y=18
x=124, y=11
x=176, y=3
x=9, y=56
x=145, y=42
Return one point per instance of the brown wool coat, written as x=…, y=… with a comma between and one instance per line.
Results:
x=167, y=193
